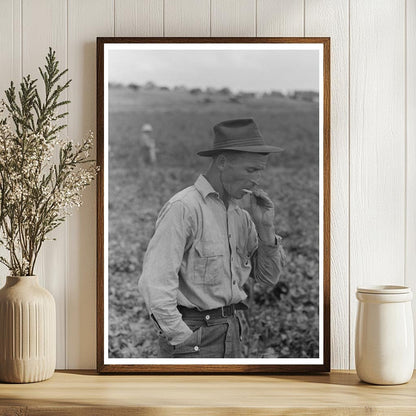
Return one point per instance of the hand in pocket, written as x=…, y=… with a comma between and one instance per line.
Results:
x=191, y=345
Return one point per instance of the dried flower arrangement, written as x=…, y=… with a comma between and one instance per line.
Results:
x=42, y=176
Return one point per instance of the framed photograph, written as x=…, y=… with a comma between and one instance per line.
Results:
x=213, y=205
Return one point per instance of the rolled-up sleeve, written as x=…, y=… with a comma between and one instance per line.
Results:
x=159, y=281
x=268, y=260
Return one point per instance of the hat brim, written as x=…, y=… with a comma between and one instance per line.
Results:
x=248, y=149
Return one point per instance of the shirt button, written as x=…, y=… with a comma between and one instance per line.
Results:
x=207, y=317
x=234, y=282
x=196, y=348
x=229, y=235
x=232, y=258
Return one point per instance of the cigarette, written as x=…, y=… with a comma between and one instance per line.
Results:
x=259, y=199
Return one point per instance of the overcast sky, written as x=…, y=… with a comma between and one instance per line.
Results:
x=243, y=70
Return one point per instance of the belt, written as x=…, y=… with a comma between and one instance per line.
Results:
x=223, y=312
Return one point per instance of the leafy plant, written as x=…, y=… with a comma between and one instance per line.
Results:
x=36, y=194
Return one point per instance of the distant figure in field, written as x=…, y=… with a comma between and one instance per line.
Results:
x=148, y=144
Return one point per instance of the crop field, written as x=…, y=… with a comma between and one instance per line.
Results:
x=283, y=322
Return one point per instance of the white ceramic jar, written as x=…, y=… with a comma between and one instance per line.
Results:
x=384, y=337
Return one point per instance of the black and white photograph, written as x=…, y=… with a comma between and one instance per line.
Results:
x=214, y=189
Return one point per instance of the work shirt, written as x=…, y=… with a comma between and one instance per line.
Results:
x=200, y=256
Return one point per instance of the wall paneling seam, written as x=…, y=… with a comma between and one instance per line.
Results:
x=405, y=146
x=304, y=17
x=65, y=346
x=210, y=18
x=21, y=40
x=349, y=185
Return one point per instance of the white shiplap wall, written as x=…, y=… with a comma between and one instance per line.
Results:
x=373, y=132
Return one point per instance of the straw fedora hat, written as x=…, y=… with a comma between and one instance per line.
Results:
x=240, y=134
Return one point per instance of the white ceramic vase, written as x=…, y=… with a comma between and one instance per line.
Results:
x=384, y=338
x=27, y=331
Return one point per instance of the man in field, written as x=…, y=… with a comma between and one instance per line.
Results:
x=148, y=144
x=205, y=247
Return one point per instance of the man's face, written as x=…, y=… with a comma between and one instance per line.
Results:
x=242, y=171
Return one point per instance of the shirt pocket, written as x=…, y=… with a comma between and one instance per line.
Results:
x=207, y=262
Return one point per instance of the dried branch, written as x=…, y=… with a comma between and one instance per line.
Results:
x=36, y=195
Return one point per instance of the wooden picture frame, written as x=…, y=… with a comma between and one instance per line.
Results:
x=125, y=99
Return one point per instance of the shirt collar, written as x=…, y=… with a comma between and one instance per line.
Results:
x=205, y=188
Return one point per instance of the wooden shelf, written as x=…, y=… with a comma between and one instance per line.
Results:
x=87, y=393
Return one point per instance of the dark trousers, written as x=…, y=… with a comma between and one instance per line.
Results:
x=219, y=337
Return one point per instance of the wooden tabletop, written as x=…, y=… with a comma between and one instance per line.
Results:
x=86, y=393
